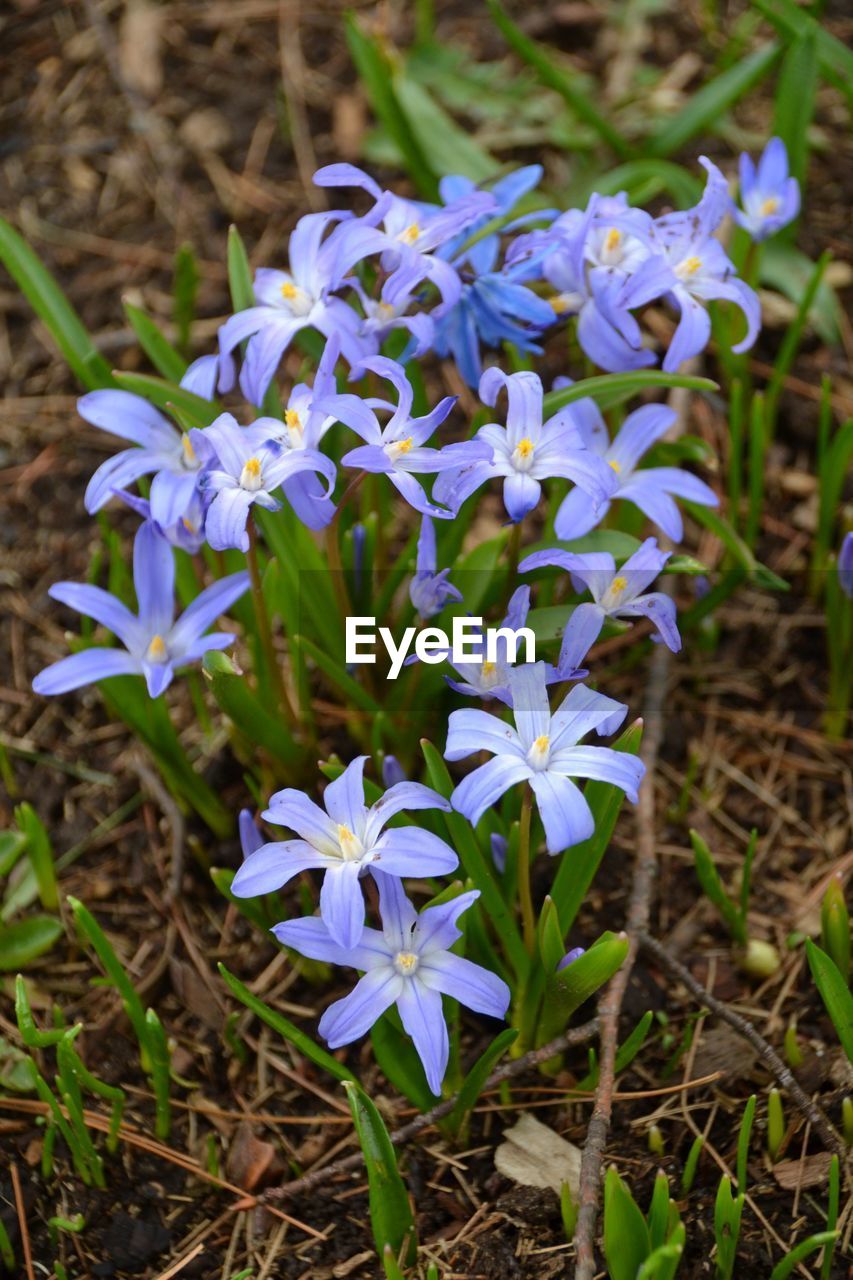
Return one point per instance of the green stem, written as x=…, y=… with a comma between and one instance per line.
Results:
x=513, y=553
x=524, y=896
x=333, y=548
x=263, y=619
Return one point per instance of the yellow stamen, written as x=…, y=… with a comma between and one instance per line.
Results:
x=406, y=962
x=488, y=668
x=292, y=419
x=351, y=846
x=618, y=585
x=250, y=476
x=289, y=291
x=689, y=266
x=524, y=447
x=385, y=310
x=542, y=743
x=768, y=206
x=397, y=448
x=614, y=465
x=559, y=305
x=189, y=452
x=612, y=240
x=157, y=651
x=188, y=525
x=411, y=234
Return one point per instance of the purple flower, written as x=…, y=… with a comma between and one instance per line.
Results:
x=429, y=589
x=482, y=678
x=770, y=197
x=493, y=308
x=287, y=301
x=160, y=447
x=244, y=466
x=251, y=838
x=845, y=565
x=615, y=595
x=155, y=646
x=409, y=964
x=408, y=234
x=653, y=490
x=526, y=452
x=570, y=957
x=398, y=449
x=703, y=271
x=482, y=255
x=392, y=771
x=345, y=840
x=543, y=750
x=499, y=847
x=187, y=534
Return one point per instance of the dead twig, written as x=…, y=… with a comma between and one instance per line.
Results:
x=610, y=1004
x=20, y=1209
x=765, y=1051
x=515, y=1067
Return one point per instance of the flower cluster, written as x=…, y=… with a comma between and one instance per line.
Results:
x=456, y=279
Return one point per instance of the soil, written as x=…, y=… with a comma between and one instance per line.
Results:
x=118, y=147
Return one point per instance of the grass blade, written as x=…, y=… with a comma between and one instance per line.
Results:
x=835, y=994
x=390, y=1211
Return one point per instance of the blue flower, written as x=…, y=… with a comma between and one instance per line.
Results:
x=543, y=750
x=398, y=449
x=615, y=595
x=526, y=452
x=702, y=271
x=845, y=565
x=250, y=837
x=570, y=957
x=429, y=589
x=160, y=447
x=493, y=309
x=345, y=841
x=155, y=646
x=187, y=534
x=406, y=234
x=653, y=490
x=770, y=197
x=482, y=256
x=243, y=468
x=482, y=678
x=409, y=964
x=287, y=301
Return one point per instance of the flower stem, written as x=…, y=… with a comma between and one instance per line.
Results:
x=526, y=901
x=263, y=619
x=513, y=553
x=333, y=548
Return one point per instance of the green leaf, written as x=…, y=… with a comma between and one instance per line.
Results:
x=562, y=82
x=40, y=854
x=835, y=994
x=744, y=1135
x=611, y=389
x=168, y=395
x=550, y=936
x=836, y=60
x=390, y=1210
x=662, y=1264
x=478, y=869
x=793, y=1259
x=185, y=290
x=26, y=940
x=240, y=281
x=795, y=100
x=446, y=147
x=737, y=548
x=567, y=989
x=649, y=177
x=790, y=272
x=113, y=967
x=12, y=845
x=658, y=1215
x=713, y=889
x=625, y=1054
x=165, y=359
x=351, y=690
x=300, y=1041
x=53, y=309
x=262, y=727
x=377, y=73
x=475, y=1081
x=626, y=1236
x=32, y=1037
x=399, y=1061
x=705, y=107
x=578, y=866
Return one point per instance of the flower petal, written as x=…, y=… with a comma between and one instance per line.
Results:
x=342, y=904
x=347, y=1019
x=272, y=865
x=565, y=814
x=422, y=1016
x=487, y=784
x=83, y=668
x=469, y=983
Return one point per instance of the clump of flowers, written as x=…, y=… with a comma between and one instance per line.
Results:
x=238, y=496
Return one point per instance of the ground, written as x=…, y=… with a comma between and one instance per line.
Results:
x=119, y=146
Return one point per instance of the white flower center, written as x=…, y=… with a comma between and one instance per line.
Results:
x=406, y=962
x=488, y=674
x=299, y=303
x=398, y=448
x=189, y=457
x=251, y=477
x=157, y=651
x=350, y=846
x=523, y=453
x=411, y=234
x=688, y=267
x=537, y=756
x=566, y=303
x=295, y=429
x=614, y=592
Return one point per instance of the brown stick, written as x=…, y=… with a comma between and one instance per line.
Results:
x=21, y=1211
x=766, y=1052
x=515, y=1067
x=610, y=1004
